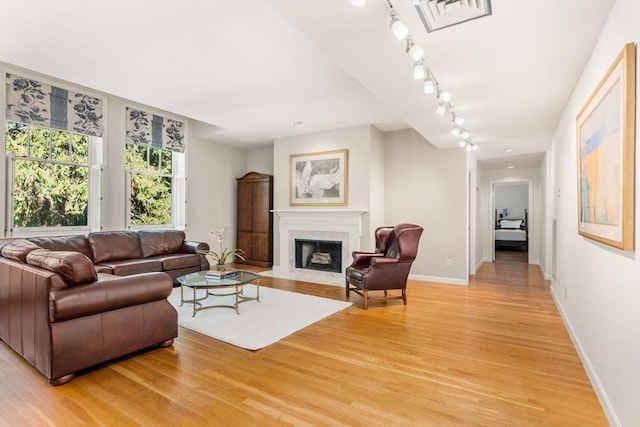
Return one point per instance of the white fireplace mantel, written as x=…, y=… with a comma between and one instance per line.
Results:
x=323, y=224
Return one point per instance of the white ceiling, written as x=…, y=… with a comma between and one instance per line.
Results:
x=247, y=68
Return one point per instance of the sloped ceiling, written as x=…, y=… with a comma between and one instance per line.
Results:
x=246, y=69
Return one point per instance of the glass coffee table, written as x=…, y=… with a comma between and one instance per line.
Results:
x=232, y=285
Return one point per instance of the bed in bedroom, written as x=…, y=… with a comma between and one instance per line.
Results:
x=511, y=233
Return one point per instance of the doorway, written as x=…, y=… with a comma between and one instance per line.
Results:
x=511, y=225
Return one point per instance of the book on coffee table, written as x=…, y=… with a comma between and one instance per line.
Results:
x=219, y=275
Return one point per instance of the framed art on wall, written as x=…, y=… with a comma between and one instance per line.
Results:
x=318, y=179
x=606, y=152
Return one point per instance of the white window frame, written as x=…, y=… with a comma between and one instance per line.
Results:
x=94, y=208
x=178, y=194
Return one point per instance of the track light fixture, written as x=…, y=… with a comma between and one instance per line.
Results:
x=468, y=145
x=414, y=50
x=418, y=70
x=457, y=121
x=397, y=27
x=429, y=84
x=421, y=72
x=445, y=96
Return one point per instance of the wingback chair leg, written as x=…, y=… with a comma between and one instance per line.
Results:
x=404, y=296
x=347, y=288
x=365, y=299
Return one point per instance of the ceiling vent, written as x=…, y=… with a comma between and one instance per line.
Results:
x=439, y=14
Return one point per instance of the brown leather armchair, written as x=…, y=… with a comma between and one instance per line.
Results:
x=386, y=268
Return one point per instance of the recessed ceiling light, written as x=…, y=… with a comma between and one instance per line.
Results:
x=295, y=123
x=510, y=165
x=508, y=150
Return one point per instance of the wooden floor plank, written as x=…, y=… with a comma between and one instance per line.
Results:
x=494, y=353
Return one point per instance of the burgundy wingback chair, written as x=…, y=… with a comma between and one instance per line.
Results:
x=386, y=268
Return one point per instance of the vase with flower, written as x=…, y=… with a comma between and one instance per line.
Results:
x=220, y=258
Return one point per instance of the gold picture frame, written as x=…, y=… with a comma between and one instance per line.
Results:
x=318, y=179
x=606, y=156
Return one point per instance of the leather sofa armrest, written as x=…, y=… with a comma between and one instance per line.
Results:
x=363, y=259
x=108, y=293
x=383, y=262
x=193, y=247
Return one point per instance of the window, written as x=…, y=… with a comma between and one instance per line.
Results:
x=150, y=185
x=154, y=160
x=49, y=176
x=53, y=140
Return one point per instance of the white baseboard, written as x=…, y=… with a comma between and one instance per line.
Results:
x=437, y=279
x=591, y=373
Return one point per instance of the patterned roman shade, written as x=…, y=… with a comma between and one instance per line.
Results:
x=145, y=128
x=32, y=102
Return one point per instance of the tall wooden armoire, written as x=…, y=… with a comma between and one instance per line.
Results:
x=255, y=219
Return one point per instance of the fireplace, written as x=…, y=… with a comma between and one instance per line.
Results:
x=333, y=225
x=322, y=255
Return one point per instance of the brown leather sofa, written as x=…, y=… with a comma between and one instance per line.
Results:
x=68, y=303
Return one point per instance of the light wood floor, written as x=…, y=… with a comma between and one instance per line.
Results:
x=494, y=353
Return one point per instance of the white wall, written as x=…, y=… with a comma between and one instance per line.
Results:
x=514, y=197
x=376, y=186
x=358, y=141
x=427, y=186
x=212, y=169
x=597, y=287
x=260, y=160
x=480, y=242
x=397, y=177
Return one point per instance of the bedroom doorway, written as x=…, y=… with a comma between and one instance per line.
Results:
x=511, y=216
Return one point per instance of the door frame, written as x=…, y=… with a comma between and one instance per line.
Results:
x=492, y=210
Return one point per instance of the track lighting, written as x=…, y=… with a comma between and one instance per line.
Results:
x=468, y=145
x=418, y=70
x=429, y=85
x=445, y=96
x=414, y=50
x=457, y=121
x=397, y=27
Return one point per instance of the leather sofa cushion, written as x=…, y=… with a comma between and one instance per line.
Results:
x=74, y=267
x=114, y=245
x=127, y=267
x=75, y=243
x=160, y=242
x=18, y=250
x=109, y=293
x=102, y=269
x=178, y=261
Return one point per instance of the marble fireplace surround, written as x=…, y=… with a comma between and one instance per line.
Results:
x=318, y=224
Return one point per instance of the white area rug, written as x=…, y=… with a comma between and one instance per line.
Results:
x=277, y=315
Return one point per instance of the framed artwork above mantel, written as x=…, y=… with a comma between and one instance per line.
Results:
x=606, y=156
x=318, y=179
